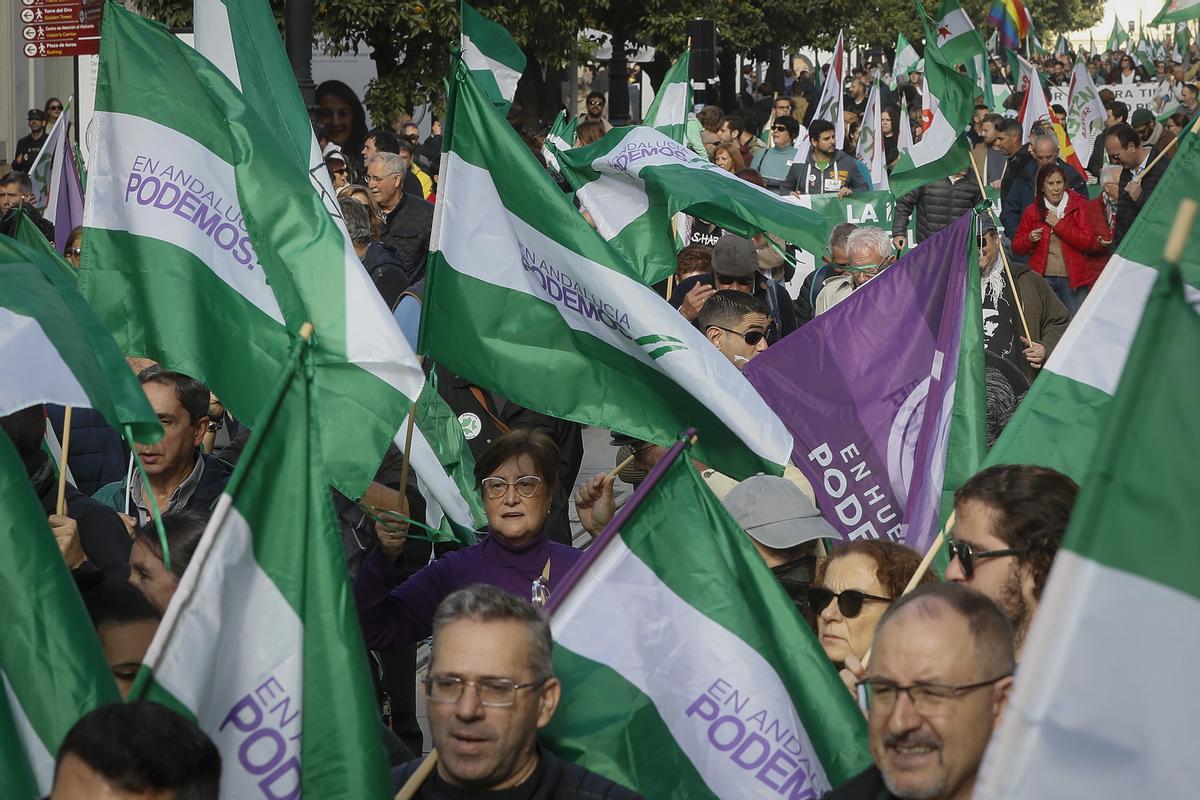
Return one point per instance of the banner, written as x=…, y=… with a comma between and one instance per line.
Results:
x=1134, y=95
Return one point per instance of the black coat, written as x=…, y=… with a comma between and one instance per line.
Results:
x=98, y=454
x=387, y=272
x=866, y=785
x=1127, y=207
x=938, y=204
x=407, y=230
x=553, y=779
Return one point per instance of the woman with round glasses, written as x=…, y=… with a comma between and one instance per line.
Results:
x=853, y=587
x=516, y=476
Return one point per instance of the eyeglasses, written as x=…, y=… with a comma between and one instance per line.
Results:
x=967, y=556
x=491, y=692
x=779, y=127
x=526, y=486
x=54, y=108
x=595, y=102
x=850, y=601
x=377, y=178
x=752, y=337
x=730, y=280
x=929, y=699
x=73, y=251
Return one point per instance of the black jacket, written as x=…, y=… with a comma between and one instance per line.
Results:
x=1014, y=168
x=387, y=272
x=98, y=454
x=866, y=785
x=554, y=779
x=938, y=204
x=1127, y=207
x=773, y=293
x=407, y=230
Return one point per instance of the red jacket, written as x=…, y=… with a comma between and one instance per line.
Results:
x=1103, y=230
x=1074, y=233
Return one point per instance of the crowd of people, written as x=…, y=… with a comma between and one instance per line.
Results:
x=941, y=657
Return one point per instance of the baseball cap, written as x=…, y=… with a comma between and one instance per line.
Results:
x=37, y=113
x=776, y=512
x=1141, y=116
x=734, y=256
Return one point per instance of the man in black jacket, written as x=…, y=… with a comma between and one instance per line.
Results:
x=407, y=219
x=1138, y=178
x=490, y=689
x=937, y=203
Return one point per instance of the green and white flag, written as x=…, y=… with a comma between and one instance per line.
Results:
x=634, y=179
x=208, y=250
x=957, y=36
x=1177, y=11
x=686, y=671
x=670, y=108
x=1144, y=54
x=1099, y=704
x=943, y=149
x=870, y=142
x=1062, y=47
x=1058, y=423
x=904, y=137
x=906, y=61
x=53, y=349
x=560, y=138
x=550, y=297
x=831, y=105
x=43, y=163
x=1118, y=37
x=260, y=644
x=28, y=234
x=491, y=55
x=51, y=666
x=1034, y=41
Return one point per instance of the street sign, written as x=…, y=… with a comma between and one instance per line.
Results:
x=55, y=28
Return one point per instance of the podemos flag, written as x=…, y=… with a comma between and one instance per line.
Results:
x=260, y=644
x=491, y=55
x=560, y=322
x=686, y=670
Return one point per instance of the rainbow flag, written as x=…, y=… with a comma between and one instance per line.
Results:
x=1011, y=21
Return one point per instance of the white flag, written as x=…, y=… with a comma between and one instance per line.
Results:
x=1085, y=112
x=870, y=142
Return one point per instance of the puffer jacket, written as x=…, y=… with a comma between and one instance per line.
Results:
x=938, y=204
x=1074, y=232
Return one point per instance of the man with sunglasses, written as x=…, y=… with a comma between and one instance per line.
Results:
x=490, y=689
x=937, y=685
x=735, y=268
x=1009, y=523
x=871, y=251
x=737, y=324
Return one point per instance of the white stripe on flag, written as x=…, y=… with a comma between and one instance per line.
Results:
x=709, y=687
x=41, y=762
x=671, y=110
x=34, y=372
x=153, y=181
x=614, y=204
x=1096, y=344
x=214, y=38
x=501, y=249
x=507, y=78
x=230, y=648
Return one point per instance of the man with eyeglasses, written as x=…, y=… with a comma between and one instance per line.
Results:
x=871, y=251
x=833, y=264
x=594, y=106
x=937, y=685
x=1138, y=178
x=382, y=140
x=407, y=219
x=1009, y=522
x=490, y=689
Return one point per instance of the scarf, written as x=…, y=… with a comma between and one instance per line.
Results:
x=1059, y=209
x=993, y=281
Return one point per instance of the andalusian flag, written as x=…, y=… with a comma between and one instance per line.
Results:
x=635, y=179
x=1118, y=37
x=41, y=170
x=956, y=34
x=904, y=137
x=51, y=666
x=1058, y=423
x=1144, y=53
x=260, y=645
x=492, y=56
x=906, y=61
x=686, y=671
x=561, y=137
x=670, y=108
x=53, y=349
x=187, y=200
x=560, y=322
x=943, y=149
x=1099, y=705
x=28, y=234
x=1062, y=47
x=1177, y=11
x=1085, y=112
x=831, y=105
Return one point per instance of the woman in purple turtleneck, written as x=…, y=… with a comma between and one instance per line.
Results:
x=516, y=479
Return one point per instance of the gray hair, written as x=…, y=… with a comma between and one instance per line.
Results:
x=480, y=602
x=1044, y=138
x=876, y=239
x=839, y=235
x=357, y=218
x=392, y=162
x=987, y=623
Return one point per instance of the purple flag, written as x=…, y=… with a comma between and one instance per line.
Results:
x=867, y=390
x=65, y=208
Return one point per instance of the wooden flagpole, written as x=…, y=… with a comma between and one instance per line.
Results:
x=60, y=507
x=1004, y=257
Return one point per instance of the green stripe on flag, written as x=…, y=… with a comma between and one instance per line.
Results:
x=492, y=56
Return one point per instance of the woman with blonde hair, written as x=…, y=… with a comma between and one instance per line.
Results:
x=728, y=157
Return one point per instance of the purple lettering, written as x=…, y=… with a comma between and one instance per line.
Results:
x=227, y=232
x=204, y=222
x=742, y=756
x=270, y=687
x=719, y=687
x=270, y=790
x=797, y=787
x=155, y=185
x=737, y=728
x=277, y=749
x=245, y=704
x=186, y=207
x=284, y=719
x=244, y=255
x=139, y=163
x=161, y=201
x=772, y=765
x=704, y=707
x=135, y=180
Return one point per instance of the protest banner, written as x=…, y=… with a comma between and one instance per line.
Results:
x=1134, y=95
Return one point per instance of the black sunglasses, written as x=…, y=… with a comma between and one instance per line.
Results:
x=850, y=601
x=752, y=337
x=729, y=280
x=967, y=556
x=779, y=127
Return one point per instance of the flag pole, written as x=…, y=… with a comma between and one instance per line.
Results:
x=413, y=784
x=60, y=506
x=613, y=528
x=1004, y=257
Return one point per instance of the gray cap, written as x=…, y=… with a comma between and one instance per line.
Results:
x=776, y=512
x=734, y=256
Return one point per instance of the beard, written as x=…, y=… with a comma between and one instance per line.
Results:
x=1012, y=603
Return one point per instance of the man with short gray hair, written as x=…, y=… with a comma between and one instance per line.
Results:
x=407, y=219
x=490, y=689
x=871, y=251
x=938, y=683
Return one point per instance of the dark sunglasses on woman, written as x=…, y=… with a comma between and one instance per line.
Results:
x=850, y=601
